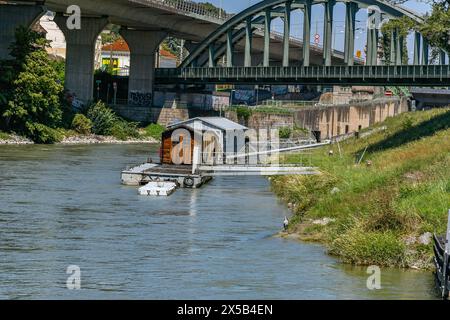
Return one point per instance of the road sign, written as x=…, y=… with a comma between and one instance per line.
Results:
x=316, y=38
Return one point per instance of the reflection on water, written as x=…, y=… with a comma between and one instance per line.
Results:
x=64, y=205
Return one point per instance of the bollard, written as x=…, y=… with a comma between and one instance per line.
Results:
x=445, y=289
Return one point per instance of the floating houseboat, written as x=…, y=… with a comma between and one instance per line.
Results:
x=181, y=135
x=194, y=151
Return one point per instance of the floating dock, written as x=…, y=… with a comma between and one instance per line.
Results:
x=201, y=144
x=158, y=189
x=152, y=172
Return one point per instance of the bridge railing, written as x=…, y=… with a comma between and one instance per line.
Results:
x=186, y=6
x=436, y=74
x=311, y=71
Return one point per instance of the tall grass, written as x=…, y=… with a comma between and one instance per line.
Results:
x=379, y=206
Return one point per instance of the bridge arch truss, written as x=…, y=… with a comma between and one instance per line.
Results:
x=258, y=18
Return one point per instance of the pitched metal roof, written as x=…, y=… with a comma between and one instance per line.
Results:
x=217, y=122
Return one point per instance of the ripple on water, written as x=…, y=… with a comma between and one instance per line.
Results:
x=67, y=207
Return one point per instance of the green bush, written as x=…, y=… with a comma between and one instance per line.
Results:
x=4, y=136
x=407, y=123
x=41, y=133
x=103, y=118
x=106, y=122
x=123, y=130
x=284, y=132
x=243, y=112
x=81, y=124
x=154, y=130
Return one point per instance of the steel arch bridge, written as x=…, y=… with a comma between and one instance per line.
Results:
x=201, y=66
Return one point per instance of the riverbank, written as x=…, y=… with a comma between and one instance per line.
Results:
x=382, y=210
x=13, y=139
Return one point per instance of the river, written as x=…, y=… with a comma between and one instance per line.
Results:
x=64, y=205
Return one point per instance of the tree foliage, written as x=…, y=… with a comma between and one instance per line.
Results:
x=33, y=107
x=436, y=28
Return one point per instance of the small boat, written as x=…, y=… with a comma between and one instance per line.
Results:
x=158, y=189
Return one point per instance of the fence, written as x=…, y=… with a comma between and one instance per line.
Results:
x=291, y=104
x=441, y=249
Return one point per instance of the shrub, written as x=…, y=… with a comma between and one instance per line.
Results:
x=284, y=132
x=41, y=133
x=81, y=124
x=407, y=122
x=154, y=130
x=103, y=118
x=4, y=136
x=243, y=112
x=123, y=130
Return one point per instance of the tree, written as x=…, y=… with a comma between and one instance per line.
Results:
x=34, y=107
x=437, y=26
x=402, y=26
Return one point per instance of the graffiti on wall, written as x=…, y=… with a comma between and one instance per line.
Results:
x=140, y=98
x=73, y=101
x=243, y=96
x=279, y=90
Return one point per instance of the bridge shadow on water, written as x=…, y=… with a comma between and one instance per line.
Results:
x=412, y=133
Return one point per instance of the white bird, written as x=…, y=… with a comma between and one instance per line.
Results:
x=285, y=223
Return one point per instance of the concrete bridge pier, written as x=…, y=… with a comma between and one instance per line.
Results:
x=80, y=52
x=13, y=16
x=143, y=45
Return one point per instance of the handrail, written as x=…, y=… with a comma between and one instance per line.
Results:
x=188, y=7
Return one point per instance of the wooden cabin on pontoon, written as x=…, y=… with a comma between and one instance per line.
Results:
x=214, y=137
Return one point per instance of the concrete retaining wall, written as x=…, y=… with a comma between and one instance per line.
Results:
x=163, y=116
x=203, y=101
x=337, y=120
x=166, y=116
x=263, y=120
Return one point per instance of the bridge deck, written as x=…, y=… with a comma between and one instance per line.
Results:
x=409, y=75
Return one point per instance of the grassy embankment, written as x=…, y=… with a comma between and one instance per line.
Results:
x=381, y=208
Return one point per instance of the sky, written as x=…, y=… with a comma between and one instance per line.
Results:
x=235, y=6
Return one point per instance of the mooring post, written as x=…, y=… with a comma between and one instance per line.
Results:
x=445, y=289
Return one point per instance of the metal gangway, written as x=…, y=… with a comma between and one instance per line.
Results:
x=238, y=164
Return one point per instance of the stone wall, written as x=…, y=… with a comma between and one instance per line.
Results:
x=263, y=120
x=270, y=121
x=336, y=120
